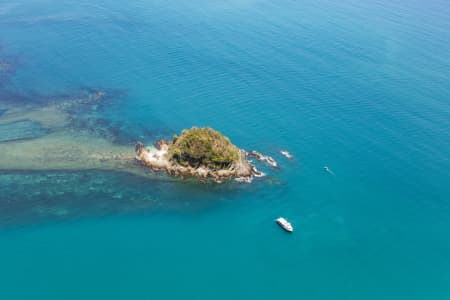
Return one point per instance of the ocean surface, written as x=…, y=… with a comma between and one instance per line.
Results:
x=362, y=87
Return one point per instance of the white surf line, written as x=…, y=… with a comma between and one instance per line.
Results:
x=286, y=154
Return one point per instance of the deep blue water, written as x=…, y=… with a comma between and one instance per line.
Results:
x=360, y=86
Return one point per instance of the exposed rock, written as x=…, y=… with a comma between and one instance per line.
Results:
x=264, y=158
x=198, y=152
x=286, y=154
x=138, y=148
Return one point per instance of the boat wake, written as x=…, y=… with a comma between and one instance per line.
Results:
x=328, y=170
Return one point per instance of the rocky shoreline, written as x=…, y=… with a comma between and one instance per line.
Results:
x=157, y=159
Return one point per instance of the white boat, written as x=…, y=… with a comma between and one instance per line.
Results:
x=285, y=224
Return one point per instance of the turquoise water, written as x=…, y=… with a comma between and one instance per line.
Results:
x=360, y=86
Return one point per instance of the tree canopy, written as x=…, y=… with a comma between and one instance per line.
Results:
x=205, y=146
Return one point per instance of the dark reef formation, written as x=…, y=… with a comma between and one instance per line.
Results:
x=8, y=65
x=30, y=197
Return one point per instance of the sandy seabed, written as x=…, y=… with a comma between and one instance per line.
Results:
x=42, y=137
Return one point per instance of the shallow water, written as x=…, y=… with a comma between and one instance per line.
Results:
x=20, y=130
x=359, y=87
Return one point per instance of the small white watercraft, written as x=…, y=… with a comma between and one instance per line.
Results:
x=285, y=224
x=328, y=170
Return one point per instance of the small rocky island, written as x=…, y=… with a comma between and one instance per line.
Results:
x=203, y=153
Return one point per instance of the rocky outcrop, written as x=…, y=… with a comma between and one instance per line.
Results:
x=199, y=152
x=263, y=158
x=157, y=158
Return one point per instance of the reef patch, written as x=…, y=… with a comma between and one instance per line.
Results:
x=21, y=130
x=35, y=197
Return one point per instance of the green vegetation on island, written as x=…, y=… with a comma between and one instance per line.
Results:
x=205, y=147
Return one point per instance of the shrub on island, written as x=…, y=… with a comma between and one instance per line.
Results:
x=204, y=147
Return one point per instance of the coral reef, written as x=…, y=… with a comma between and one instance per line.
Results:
x=33, y=197
x=38, y=134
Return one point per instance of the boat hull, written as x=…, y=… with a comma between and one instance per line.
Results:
x=283, y=223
